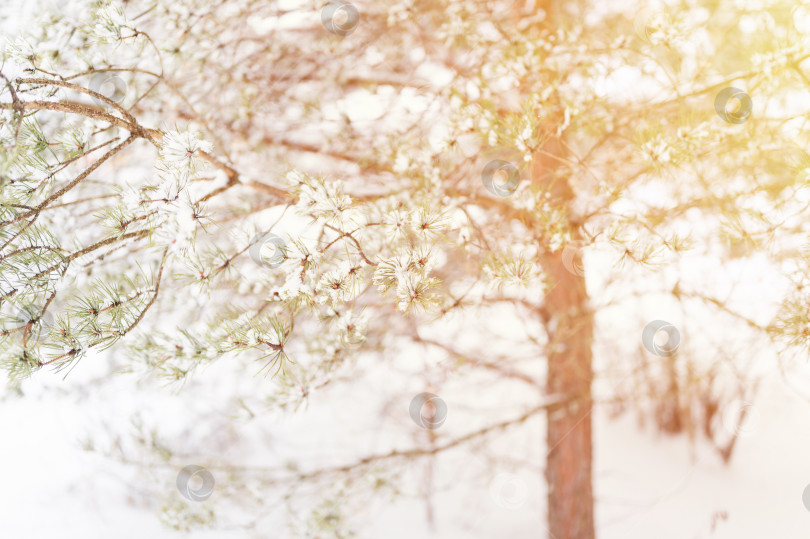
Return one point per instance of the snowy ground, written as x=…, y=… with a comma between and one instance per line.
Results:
x=646, y=485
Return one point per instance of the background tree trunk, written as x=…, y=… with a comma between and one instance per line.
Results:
x=568, y=435
x=569, y=325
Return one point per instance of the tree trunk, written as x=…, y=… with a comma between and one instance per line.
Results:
x=568, y=434
x=569, y=325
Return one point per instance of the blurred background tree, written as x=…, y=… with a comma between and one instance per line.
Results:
x=407, y=189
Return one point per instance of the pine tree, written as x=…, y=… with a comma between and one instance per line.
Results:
x=305, y=186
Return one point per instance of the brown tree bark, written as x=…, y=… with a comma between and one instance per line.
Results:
x=568, y=320
x=569, y=324
x=568, y=432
